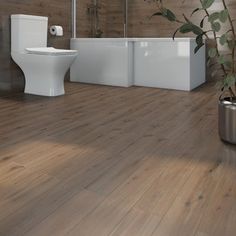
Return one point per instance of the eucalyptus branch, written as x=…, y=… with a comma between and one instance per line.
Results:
x=230, y=30
x=234, y=38
x=216, y=42
x=218, y=55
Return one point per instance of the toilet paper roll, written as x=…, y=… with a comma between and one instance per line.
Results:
x=56, y=30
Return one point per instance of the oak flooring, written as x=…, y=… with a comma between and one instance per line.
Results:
x=107, y=161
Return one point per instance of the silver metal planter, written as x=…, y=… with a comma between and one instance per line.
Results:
x=227, y=120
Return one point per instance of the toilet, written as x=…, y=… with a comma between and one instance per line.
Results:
x=44, y=67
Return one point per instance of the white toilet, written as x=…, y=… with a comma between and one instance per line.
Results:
x=44, y=67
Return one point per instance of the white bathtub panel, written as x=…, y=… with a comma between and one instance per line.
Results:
x=162, y=64
x=103, y=62
x=152, y=62
x=197, y=67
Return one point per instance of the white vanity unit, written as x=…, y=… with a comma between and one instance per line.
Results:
x=151, y=62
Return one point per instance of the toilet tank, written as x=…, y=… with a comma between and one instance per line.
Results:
x=28, y=31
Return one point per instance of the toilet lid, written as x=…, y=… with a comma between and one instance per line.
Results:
x=50, y=51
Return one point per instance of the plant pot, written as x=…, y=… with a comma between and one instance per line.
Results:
x=227, y=120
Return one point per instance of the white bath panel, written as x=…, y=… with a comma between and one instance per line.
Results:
x=103, y=61
x=151, y=62
x=169, y=64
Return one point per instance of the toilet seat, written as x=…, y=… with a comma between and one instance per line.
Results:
x=50, y=51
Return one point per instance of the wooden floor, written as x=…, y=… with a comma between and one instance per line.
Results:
x=111, y=161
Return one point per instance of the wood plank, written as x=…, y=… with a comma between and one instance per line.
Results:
x=125, y=161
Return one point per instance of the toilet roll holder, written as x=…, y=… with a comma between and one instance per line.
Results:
x=56, y=30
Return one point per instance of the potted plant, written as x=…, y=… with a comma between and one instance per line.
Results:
x=210, y=27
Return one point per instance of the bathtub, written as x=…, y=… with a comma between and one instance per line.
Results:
x=150, y=62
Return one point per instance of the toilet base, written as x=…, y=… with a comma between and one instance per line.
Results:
x=37, y=86
x=44, y=74
x=48, y=93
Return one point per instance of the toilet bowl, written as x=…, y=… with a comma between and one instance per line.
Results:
x=44, y=67
x=44, y=73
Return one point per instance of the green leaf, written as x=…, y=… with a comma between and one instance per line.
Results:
x=207, y=3
x=199, y=46
x=221, y=60
x=213, y=17
x=199, y=39
x=202, y=21
x=189, y=27
x=167, y=14
x=216, y=26
x=228, y=64
x=164, y=11
x=223, y=16
x=229, y=81
x=186, y=28
x=157, y=14
x=196, y=30
x=223, y=39
x=195, y=10
x=170, y=15
x=212, y=52
x=231, y=44
x=200, y=43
